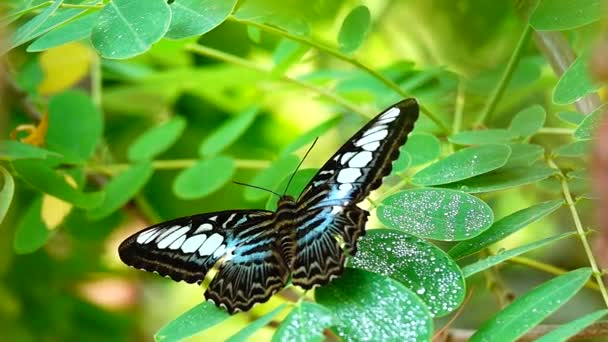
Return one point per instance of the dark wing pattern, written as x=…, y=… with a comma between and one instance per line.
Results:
x=241, y=242
x=329, y=221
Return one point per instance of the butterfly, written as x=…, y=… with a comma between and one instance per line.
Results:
x=256, y=252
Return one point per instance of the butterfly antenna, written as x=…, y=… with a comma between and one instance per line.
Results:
x=256, y=187
x=300, y=164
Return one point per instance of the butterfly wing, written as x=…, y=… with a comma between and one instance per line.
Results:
x=329, y=220
x=242, y=243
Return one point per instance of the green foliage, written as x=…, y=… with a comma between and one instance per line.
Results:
x=31, y=233
x=156, y=140
x=588, y=127
x=204, y=177
x=243, y=335
x=271, y=177
x=354, y=29
x=528, y=121
x=200, y=317
x=568, y=330
x=195, y=17
x=6, y=192
x=305, y=322
x=555, y=15
x=575, y=82
x=227, y=133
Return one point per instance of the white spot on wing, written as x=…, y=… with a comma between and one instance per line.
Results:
x=193, y=243
x=204, y=227
x=345, y=187
x=336, y=209
x=212, y=243
x=346, y=157
x=385, y=121
x=391, y=113
x=220, y=251
x=372, y=137
x=143, y=237
x=348, y=175
x=212, y=218
x=361, y=159
x=172, y=237
x=167, y=232
x=374, y=129
x=178, y=243
x=371, y=146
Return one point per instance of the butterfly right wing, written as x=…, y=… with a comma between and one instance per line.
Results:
x=241, y=242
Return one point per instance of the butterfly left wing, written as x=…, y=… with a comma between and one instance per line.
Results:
x=241, y=243
x=329, y=219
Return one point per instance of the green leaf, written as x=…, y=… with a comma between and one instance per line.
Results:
x=31, y=232
x=43, y=178
x=466, y=163
x=524, y=155
x=156, y=140
x=13, y=150
x=504, y=227
x=486, y=136
x=197, y=17
x=420, y=266
x=309, y=136
x=228, y=133
x=565, y=331
x=31, y=29
x=127, y=28
x=271, y=177
x=579, y=174
x=305, y=322
x=267, y=12
x=73, y=114
x=6, y=192
x=244, y=334
x=422, y=148
x=573, y=118
x=591, y=123
x=370, y=307
x=494, y=260
x=204, y=177
x=437, y=214
x=254, y=34
x=286, y=54
x=576, y=149
x=527, y=311
x=402, y=163
x=354, y=29
x=557, y=15
x=503, y=178
x=201, y=317
x=528, y=121
x=75, y=30
x=121, y=189
x=575, y=83
x=299, y=182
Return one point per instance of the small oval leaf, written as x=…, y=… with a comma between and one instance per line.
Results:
x=305, y=322
x=565, y=331
x=31, y=233
x=6, y=192
x=370, y=307
x=156, y=140
x=420, y=266
x=193, y=321
x=466, y=163
x=13, y=150
x=422, y=148
x=504, y=227
x=196, y=17
x=591, y=123
x=524, y=155
x=437, y=214
x=70, y=32
x=528, y=121
x=557, y=15
x=579, y=148
x=503, y=178
x=530, y=309
x=354, y=29
x=575, y=83
x=228, y=133
x=204, y=177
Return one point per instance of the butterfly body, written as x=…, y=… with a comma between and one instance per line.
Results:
x=307, y=240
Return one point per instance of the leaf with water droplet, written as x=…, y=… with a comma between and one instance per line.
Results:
x=524, y=155
x=533, y=307
x=528, y=121
x=438, y=214
x=196, y=17
x=466, y=163
x=422, y=148
x=193, y=321
x=575, y=83
x=565, y=331
x=591, y=123
x=305, y=322
x=417, y=264
x=558, y=15
x=504, y=227
x=370, y=307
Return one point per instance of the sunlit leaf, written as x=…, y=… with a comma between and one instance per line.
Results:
x=228, y=133
x=422, y=148
x=420, y=266
x=305, y=322
x=528, y=121
x=354, y=29
x=251, y=328
x=310, y=135
x=195, y=320
x=533, y=307
x=126, y=28
x=524, y=155
x=31, y=233
x=503, y=178
x=64, y=66
x=494, y=260
x=299, y=182
x=31, y=29
x=75, y=30
x=486, y=136
x=54, y=210
x=591, y=123
x=575, y=83
x=197, y=17
x=6, y=192
x=565, y=331
x=504, y=227
x=73, y=114
x=271, y=177
x=576, y=149
x=12, y=150
x=466, y=163
x=156, y=140
x=437, y=214
x=121, y=188
x=557, y=15
x=204, y=178
x=371, y=307
x=40, y=176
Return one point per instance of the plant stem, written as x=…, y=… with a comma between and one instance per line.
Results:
x=580, y=230
x=337, y=54
x=96, y=81
x=459, y=107
x=506, y=77
x=555, y=130
x=547, y=268
x=174, y=164
x=220, y=55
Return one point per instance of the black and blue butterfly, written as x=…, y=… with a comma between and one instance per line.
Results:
x=256, y=252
